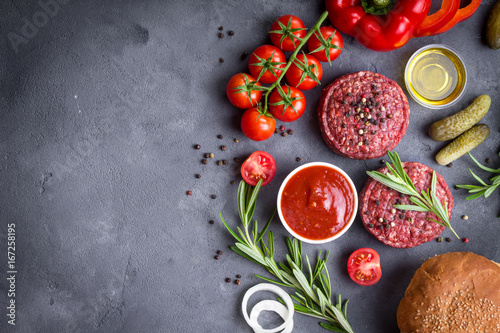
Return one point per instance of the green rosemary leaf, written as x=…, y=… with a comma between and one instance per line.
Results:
x=411, y=207
x=490, y=190
x=271, y=280
x=485, y=168
x=475, y=196
x=331, y=327
x=477, y=178
x=244, y=255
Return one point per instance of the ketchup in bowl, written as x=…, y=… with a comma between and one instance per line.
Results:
x=317, y=202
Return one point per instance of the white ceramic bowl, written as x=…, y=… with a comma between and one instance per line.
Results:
x=348, y=224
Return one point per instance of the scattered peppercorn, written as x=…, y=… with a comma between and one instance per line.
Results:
x=448, y=239
x=216, y=257
x=189, y=192
x=206, y=155
x=465, y=217
x=221, y=35
x=449, y=165
x=219, y=252
x=204, y=161
x=283, y=134
x=197, y=175
x=221, y=60
x=440, y=239
x=211, y=222
x=225, y=162
x=219, y=162
x=367, y=212
x=298, y=159
x=197, y=146
x=220, y=136
x=244, y=55
x=381, y=227
x=290, y=131
x=377, y=202
x=370, y=225
x=465, y=240
x=402, y=216
x=488, y=160
x=221, y=28
x=382, y=120
x=388, y=226
x=235, y=140
x=282, y=128
x=238, y=276
x=276, y=131
x=232, y=182
x=213, y=196
x=238, y=282
x=223, y=148
x=456, y=187
x=382, y=161
x=230, y=33
x=211, y=155
x=228, y=280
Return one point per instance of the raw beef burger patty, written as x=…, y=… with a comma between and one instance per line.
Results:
x=363, y=115
x=398, y=228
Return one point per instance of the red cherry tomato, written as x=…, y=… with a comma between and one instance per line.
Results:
x=256, y=125
x=327, y=48
x=241, y=91
x=304, y=68
x=264, y=61
x=295, y=103
x=283, y=31
x=259, y=165
x=363, y=266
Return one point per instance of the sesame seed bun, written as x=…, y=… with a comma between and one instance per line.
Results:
x=453, y=292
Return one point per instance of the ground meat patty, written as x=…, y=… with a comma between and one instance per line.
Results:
x=363, y=115
x=398, y=228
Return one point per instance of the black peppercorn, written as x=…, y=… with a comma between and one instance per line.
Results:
x=221, y=60
x=211, y=221
x=298, y=159
x=228, y=280
x=197, y=175
x=238, y=282
x=244, y=55
x=377, y=202
x=448, y=239
x=189, y=192
x=197, y=146
x=283, y=134
x=223, y=148
x=216, y=257
x=238, y=276
x=219, y=252
x=204, y=161
x=219, y=162
x=290, y=131
x=221, y=28
x=221, y=35
x=220, y=136
x=213, y=196
x=236, y=159
x=230, y=33
x=225, y=162
x=370, y=225
x=232, y=182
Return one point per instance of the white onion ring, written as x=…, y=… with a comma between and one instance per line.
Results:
x=285, y=313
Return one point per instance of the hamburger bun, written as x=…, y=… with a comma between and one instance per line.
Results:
x=452, y=292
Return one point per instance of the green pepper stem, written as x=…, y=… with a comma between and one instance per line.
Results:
x=380, y=3
x=293, y=57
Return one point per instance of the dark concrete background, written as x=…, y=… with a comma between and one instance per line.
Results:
x=100, y=106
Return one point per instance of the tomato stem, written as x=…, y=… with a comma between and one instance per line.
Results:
x=303, y=41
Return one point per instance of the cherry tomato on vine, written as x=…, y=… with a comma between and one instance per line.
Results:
x=264, y=63
x=305, y=73
x=285, y=30
x=288, y=107
x=241, y=91
x=259, y=165
x=326, y=45
x=257, y=125
x=363, y=266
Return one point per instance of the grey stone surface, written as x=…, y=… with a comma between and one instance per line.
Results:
x=100, y=106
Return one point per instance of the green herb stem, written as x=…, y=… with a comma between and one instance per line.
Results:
x=312, y=295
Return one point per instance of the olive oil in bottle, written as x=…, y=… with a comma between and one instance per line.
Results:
x=436, y=76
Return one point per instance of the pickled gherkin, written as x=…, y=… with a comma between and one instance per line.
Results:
x=452, y=126
x=493, y=27
x=463, y=144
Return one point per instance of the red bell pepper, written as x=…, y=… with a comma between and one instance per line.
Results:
x=439, y=19
x=461, y=15
x=380, y=25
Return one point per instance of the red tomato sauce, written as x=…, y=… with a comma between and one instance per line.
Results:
x=317, y=202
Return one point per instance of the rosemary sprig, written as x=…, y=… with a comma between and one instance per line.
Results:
x=425, y=201
x=313, y=292
x=484, y=189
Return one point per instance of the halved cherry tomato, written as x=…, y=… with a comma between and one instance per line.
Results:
x=241, y=91
x=326, y=45
x=363, y=266
x=264, y=61
x=294, y=101
x=259, y=165
x=287, y=31
x=257, y=125
x=305, y=72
